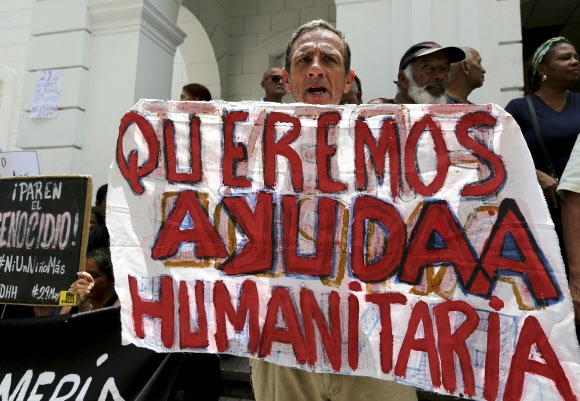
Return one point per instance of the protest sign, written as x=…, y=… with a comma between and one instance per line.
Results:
x=44, y=224
x=404, y=242
x=14, y=164
x=83, y=359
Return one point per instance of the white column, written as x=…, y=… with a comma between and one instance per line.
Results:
x=60, y=40
x=8, y=83
x=367, y=26
x=133, y=45
x=111, y=53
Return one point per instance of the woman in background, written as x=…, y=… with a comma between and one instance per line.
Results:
x=553, y=70
x=195, y=92
x=96, y=285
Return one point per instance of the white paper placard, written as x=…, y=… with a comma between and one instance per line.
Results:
x=46, y=94
x=14, y=164
x=405, y=242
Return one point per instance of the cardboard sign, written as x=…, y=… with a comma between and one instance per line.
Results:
x=44, y=224
x=404, y=242
x=13, y=164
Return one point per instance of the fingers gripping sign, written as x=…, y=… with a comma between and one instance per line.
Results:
x=82, y=287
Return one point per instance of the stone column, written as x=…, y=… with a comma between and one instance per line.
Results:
x=60, y=41
x=112, y=54
x=133, y=45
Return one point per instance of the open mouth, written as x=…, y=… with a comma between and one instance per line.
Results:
x=317, y=91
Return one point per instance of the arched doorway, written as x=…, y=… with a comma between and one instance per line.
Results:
x=195, y=58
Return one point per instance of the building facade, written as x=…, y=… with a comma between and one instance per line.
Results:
x=114, y=52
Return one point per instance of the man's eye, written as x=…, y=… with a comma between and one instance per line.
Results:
x=427, y=66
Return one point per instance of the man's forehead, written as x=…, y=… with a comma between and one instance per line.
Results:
x=272, y=71
x=325, y=39
x=436, y=56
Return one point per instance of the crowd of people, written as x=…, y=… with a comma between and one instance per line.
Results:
x=317, y=71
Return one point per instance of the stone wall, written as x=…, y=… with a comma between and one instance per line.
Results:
x=249, y=36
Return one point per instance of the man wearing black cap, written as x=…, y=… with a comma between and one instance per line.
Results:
x=423, y=73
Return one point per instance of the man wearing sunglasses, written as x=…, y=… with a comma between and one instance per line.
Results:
x=273, y=85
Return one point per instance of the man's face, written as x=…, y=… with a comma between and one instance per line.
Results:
x=476, y=70
x=353, y=96
x=102, y=206
x=273, y=84
x=431, y=72
x=317, y=68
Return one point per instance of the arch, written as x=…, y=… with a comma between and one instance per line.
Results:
x=195, y=59
x=246, y=38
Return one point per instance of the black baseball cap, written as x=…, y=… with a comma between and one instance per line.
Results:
x=454, y=54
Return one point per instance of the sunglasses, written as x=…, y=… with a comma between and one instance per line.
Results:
x=275, y=78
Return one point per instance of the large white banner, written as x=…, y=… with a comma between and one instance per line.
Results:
x=405, y=242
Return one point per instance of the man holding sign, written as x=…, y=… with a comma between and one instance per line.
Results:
x=407, y=243
x=317, y=71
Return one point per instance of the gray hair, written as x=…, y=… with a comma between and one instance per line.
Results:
x=310, y=26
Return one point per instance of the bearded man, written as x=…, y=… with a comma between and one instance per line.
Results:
x=424, y=74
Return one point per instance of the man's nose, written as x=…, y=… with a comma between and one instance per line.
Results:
x=440, y=74
x=316, y=68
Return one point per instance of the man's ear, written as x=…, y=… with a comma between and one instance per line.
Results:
x=286, y=80
x=403, y=81
x=263, y=84
x=465, y=67
x=348, y=81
